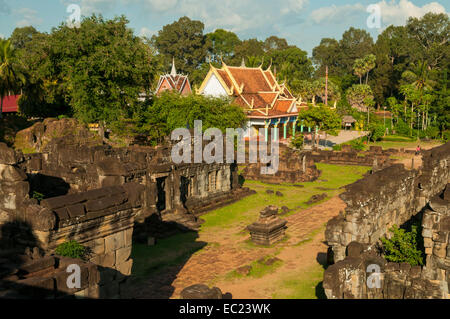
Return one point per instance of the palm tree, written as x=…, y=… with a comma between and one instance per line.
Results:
x=369, y=64
x=359, y=69
x=10, y=77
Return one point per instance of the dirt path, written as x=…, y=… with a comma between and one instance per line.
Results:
x=229, y=250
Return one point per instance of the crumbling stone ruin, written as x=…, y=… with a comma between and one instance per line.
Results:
x=375, y=157
x=102, y=197
x=374, y=204
x=294, y=167
x=269, y=228
x=23, y=276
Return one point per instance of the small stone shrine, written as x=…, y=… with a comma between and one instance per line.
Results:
x=269, y=228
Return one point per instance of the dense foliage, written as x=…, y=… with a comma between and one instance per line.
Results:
x=71, y=249
x=160, y=116
x=404, y=246
x=96, y=72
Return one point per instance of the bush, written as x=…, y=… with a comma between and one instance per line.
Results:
x=38, y=196
x=376, y=132
x=337, y=147
x=357, y=144
x=432, y=132
x=404, y=246
x=71, y=249
x=297, y=141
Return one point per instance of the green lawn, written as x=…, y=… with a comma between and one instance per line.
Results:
x=305, y=285
x=170, y=251
x=177, y=249
x=396, y=141
x=332, y=178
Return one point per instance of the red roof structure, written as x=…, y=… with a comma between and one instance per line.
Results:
x=254, y=89
x=10, y=104
x=174, y=81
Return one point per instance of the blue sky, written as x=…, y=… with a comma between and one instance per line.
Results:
x=302, y=22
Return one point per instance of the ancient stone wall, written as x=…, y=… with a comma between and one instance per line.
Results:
x=356, y=278
x=374, y=157
x=436, y=235
x=45, y=277
x=387, y=197
x=294, y=167
x=177, y=193
x=392, y=196
x=101, y=219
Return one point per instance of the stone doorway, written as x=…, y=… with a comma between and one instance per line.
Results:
x=184, y=189
x=161, y=188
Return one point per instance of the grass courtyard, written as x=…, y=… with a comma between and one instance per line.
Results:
x=223, y=236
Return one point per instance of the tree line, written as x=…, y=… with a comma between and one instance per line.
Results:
x=98, y=71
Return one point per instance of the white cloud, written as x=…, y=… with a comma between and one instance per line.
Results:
x=337, y=14
x=161, y=5
x=27, y=17
x=397, y=13
x=392, y=12
x=294, y=6
x=146, y=32
x=89, y=7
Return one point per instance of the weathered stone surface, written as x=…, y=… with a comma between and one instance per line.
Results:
x=269, y=228
x=7, y=155
x=200, y=291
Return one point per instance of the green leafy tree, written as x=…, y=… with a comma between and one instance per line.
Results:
x=355, y=44
x=431, y=33
x=359, y=96
x=324, y=117
x=21, y=36
x=99, y=69
x=223, y=45
x=297, y=141
x=292, y=64
x=274, y=43
x=328, y=53
x=404, y=246
x=184, y=41
x=171, y=111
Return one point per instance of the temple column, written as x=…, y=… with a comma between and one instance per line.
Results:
x=285, y=130
x=266, y=131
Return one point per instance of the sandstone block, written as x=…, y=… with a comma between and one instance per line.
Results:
x=122, y=255
x=10, y=173
x=76, y=210
x=200, y=291
x=440, y=250
x=114, y=241
x=105, y=260
x=125, y=267
x=7, y=155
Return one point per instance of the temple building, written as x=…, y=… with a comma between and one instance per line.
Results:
x=10, y=104
x=267, y=103
x=174, y=81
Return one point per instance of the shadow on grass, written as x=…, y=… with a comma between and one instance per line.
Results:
x=156, y=267
x=321, y=258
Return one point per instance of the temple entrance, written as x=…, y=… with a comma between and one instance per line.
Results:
x=184, y=190
x=161, y=188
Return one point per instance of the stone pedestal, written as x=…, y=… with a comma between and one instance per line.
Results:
x=269, y=228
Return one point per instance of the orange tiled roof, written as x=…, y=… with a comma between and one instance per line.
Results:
x=253, y=79
x=177, y=82
x=256, y=90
